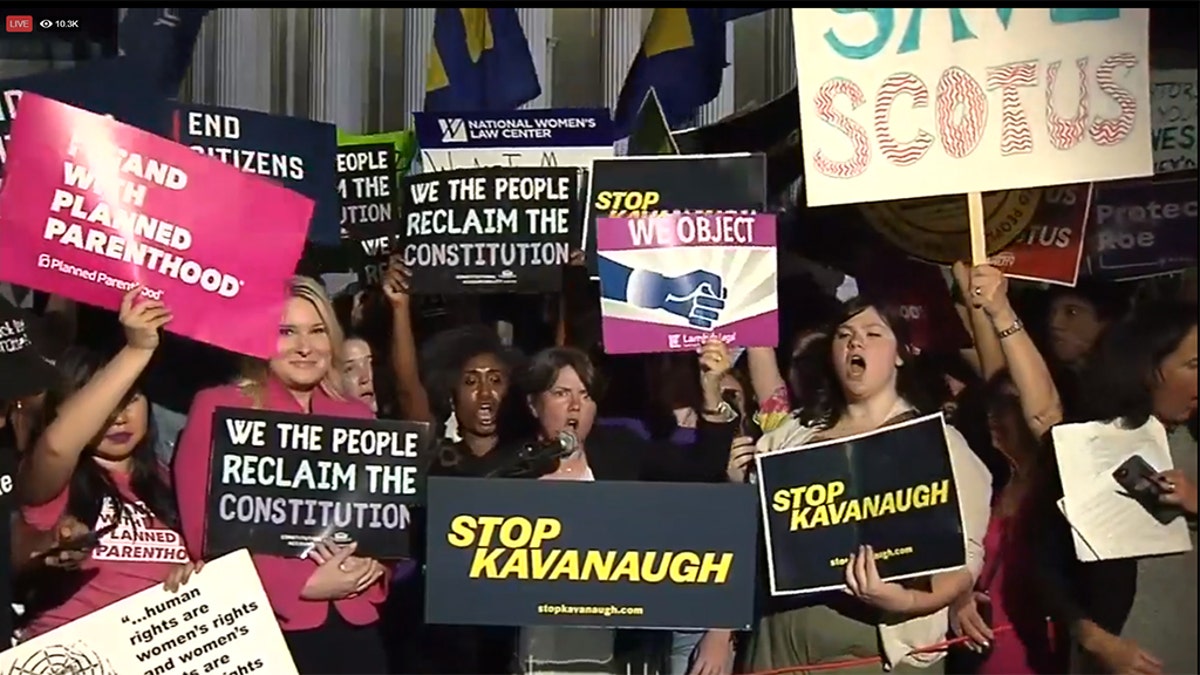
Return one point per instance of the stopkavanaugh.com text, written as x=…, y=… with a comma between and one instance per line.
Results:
x=591, y=610
x=885, y=554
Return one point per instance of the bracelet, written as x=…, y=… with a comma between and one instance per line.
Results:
x=1015, y=328
x=723, y=410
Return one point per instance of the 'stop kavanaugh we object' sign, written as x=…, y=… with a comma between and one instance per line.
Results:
x=904, y=103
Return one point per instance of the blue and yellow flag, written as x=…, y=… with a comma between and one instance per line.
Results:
x=479, y=62
x=162, y=41
x=682, y=58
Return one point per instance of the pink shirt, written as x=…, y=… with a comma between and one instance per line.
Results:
x=137, y=554
x=282, y=578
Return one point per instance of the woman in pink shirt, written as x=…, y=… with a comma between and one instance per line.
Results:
x=327, y=605
x=95, y=462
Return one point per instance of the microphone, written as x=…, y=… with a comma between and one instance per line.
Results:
x=539, y=457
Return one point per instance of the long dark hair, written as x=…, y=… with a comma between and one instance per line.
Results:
x=822, y=400
x=1120, y=377
x=90, y=483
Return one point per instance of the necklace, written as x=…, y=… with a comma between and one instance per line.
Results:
x=573, y=464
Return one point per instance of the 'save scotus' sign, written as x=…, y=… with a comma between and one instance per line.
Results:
x=902, y=103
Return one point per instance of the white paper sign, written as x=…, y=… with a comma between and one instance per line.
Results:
x=1173, y=94
x=443, y=159
x=220, y=623
x=904, y=103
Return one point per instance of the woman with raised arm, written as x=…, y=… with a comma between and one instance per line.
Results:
x=466, y=376
x=93, y=466
x=327, y=604
x=866, y=382
x=1022, y=404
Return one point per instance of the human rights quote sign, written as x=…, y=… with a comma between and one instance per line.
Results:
x=220, y=622
x=280, y=482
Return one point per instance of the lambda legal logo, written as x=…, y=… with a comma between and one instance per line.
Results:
x=453, y=130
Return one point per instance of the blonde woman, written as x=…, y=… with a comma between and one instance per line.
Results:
x=327, y=605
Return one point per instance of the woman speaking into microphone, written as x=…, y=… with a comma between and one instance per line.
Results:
x=561, y=387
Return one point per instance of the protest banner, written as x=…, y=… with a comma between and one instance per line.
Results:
x=1173, y=100
x=627, y=187
x=892, y=489
x=107, y=87
x=559, y=137
x=1051, y=248
x=1142, y=228
x=280, y=482
x=299, y=153
x=510, y=552
x=670, y=282
x=905, y=103
x=404, y=141
x=489, y=230
x=92, y=206
x=370, y=214
x=220, y=623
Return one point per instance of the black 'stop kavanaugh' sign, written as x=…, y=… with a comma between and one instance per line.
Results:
x=625, y=186
x=366, y=176
x=515, y=552
x=490, y=230
x=892, y=489
x=282, y=481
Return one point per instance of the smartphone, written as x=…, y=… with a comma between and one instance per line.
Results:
x=1136, y=476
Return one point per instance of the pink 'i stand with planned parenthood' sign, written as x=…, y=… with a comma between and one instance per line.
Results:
x=90, y=207
x=670, y=281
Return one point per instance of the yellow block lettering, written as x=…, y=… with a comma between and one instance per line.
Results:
x=714, y=569
x=462, y=531
x=485, y=564
x=627, y=567
x=685, y=567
